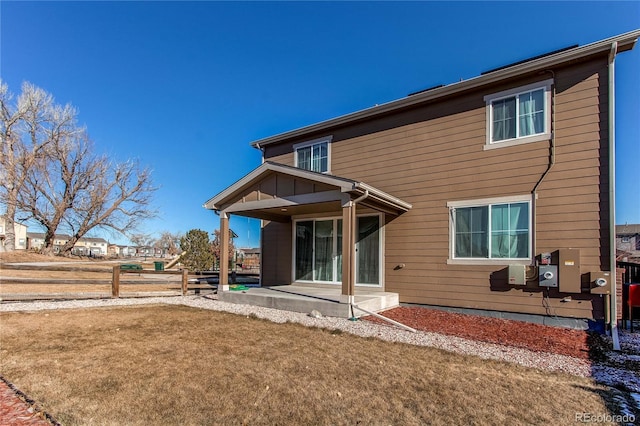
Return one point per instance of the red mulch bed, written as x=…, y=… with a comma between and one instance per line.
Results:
x=535, y=337
x=15, y=411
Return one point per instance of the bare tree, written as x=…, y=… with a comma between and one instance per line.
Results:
x=74, y=189
x=216, y=246
x=169, y=242
x=27, y=128
x=48, y=170
x=141, y=240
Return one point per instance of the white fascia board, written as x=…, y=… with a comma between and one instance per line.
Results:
x=384, y=197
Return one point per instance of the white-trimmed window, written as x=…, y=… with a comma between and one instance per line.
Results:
x=314, y=155
x=519, y=115
x=495, y=229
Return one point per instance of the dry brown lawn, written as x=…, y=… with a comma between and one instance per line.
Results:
x=30, y=256
x=180, y=365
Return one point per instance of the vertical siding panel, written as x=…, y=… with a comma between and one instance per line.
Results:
x=276, y=253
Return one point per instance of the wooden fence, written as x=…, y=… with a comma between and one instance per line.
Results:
x=54, y=277
x=117, y=270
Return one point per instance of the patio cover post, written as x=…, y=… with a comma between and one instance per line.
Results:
x=223, y=280
x=348, y=248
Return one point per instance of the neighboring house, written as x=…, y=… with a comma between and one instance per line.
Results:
x=113, y=250
x=83, y=247
x=116, y=250
x=250, y=258
x=148, y=251
x=90, y=247
x=628, y=241
x=36, y=241
x=20, y=231
x=452, y=196
x=127, y=251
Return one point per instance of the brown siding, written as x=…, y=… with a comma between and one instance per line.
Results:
x=276, y=253
x=434, y=154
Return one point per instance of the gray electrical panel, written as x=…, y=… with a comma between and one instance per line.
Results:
x=548, y=275
x=517, y=275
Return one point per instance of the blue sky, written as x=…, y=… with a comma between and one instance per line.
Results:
x=186, y=86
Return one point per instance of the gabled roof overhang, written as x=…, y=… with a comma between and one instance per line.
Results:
x=335, y=192
x=624, y=42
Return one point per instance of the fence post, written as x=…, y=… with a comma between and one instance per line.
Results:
x=185, y=281
x=115, y=282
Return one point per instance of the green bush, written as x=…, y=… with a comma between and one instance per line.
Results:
x=199, y=256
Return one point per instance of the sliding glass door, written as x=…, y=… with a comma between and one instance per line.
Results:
x=318, y=250
x=304, y=250
x=368, y=250
x=324, y=249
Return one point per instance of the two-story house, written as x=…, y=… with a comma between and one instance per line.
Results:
x=250, y=258
x=89, y=246
x=36, y=241
x=84, y=246
x=628, y=241
x=20, y=232
x=493, y=193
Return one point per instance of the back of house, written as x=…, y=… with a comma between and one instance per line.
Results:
x=493, y=193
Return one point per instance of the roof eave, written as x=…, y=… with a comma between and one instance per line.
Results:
x=388, y=199
x=626, y=41
x=213, y=203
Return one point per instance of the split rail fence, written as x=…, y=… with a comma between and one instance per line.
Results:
x=55, y=282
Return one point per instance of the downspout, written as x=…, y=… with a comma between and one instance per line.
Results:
x=612, y=197
x=552, y=162
x=352, y=305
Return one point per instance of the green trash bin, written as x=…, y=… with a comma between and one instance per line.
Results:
x=159, y=266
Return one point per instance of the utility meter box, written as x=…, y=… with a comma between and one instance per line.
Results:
x=548, y=275
x=569, y=278
x=600, y=282
x=517, y=275
x=545, y=258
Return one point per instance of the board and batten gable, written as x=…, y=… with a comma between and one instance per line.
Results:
x=434, y=153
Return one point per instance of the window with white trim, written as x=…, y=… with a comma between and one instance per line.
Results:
x=519, y=115
x=498, y=228
x=313, y=155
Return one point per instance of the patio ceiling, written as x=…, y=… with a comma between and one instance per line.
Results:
x=276, y=192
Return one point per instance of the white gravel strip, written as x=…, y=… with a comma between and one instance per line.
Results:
x=524, y=357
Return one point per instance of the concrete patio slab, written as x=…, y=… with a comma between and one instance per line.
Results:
x=327, y=300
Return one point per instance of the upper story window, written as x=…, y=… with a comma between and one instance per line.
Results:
x=519, y=115
x=313, y=155
x=491, y=229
